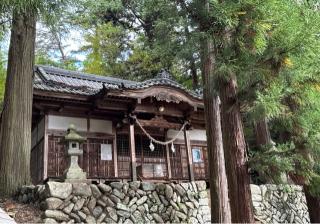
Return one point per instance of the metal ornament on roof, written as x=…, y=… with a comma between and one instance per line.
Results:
x=164, y=74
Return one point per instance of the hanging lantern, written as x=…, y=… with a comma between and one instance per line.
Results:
x=172, y=148
x=151, y=146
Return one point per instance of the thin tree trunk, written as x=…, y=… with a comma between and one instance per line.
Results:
x=220, y=208
x=15, y=134
x=194, y=74
x=235, y=153
x=313, y=206
x=262, y=132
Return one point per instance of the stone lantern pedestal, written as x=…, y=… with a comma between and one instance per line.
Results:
x=74, y=173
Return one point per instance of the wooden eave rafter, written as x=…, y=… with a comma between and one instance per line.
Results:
x=57, y=95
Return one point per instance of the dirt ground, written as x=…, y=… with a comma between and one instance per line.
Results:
x=21, y=213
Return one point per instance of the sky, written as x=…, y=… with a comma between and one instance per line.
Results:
x=73, y=43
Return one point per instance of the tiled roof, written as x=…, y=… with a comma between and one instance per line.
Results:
x=60, y=80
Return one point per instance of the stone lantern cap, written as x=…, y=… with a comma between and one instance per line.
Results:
x=72, y=135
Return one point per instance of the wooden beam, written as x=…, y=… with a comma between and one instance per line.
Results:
x=170, y=110
x=189, y=154
x=45, y=148
x=115, y=152
x=133, y=153
x=112, y=105
x=159, y=122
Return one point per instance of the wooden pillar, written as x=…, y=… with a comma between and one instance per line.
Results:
x=45, y=148
x=168, y=159
x=115, y=152
x=133, y=153
x=86, y=160
x=189, y=154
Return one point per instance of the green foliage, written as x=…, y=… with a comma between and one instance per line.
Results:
x=268, y=102
x=147, y=36
x=271, y=161
x=105, y=50
x=44, y=59
x=287, y=92
x=41, y=7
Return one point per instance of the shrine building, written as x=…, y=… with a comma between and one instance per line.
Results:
x=152, y=130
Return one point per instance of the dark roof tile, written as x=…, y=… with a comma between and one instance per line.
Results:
x=60, y=80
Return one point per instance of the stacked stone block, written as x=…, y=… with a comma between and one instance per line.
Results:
x=279, y=204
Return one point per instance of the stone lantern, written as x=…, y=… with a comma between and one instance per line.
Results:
x=74, y=173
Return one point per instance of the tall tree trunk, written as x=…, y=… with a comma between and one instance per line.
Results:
x=15, y=132
x=313, y=206
x=262, y=132
x=235, y=153
x=220, y=208
x=194, y=74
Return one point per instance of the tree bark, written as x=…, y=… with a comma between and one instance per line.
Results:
x=194, y=74
x=15, y=132
x=235, y=153
x=262, y=132
x=220, y=208
x=313, y=205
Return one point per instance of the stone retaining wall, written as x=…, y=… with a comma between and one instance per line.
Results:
x=279, y=204
x=147, y=202
x=120, y=202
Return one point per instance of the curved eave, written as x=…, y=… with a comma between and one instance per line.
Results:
x=161, y=93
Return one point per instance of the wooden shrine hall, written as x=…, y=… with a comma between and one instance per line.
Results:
x=152, y=130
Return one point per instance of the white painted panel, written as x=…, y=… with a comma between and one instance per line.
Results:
x=102, y=126
x=195, y=134
x=40, y=129
x=172, y=133
x=198, y=135
x=62, y=123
